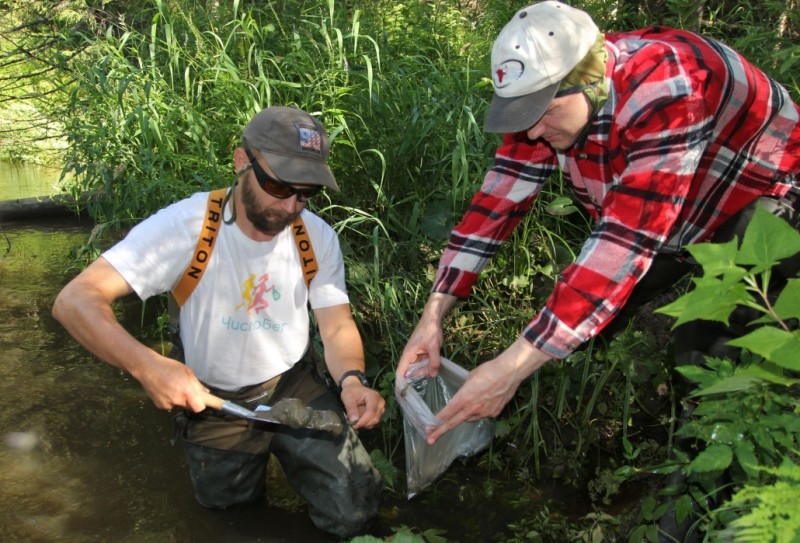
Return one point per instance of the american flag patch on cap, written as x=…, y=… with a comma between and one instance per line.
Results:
x=310, y=140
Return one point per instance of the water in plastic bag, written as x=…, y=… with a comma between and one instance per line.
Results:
x=420, y=397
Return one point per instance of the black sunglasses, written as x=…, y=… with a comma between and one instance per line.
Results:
x=276, y=187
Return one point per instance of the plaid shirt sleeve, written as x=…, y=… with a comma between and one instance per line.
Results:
x=687, y=139
x=509, y=188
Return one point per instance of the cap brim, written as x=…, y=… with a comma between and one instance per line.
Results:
x=509, y=115
x=301, y=172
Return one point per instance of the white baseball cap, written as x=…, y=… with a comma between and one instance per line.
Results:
x=536, y=49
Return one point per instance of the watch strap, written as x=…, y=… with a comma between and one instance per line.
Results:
x=350, y=373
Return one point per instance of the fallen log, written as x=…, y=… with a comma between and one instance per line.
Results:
x=40, y=206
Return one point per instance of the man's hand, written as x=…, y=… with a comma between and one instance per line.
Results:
x=170, y=383
x=489, y=387
x=426, y=340
x=364, y=406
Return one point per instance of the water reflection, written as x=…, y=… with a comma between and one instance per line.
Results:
x=77, y=478
x=27, y=180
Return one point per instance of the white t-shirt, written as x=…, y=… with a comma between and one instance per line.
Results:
x=247, y=320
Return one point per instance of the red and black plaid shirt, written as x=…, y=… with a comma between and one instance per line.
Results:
x=691, y=133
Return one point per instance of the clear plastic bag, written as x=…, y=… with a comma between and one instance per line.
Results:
x=420, y=396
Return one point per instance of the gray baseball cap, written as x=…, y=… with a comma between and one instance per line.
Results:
x=293, y=143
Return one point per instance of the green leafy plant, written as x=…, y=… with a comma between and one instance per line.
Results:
x=745, y=425
x=766, y=513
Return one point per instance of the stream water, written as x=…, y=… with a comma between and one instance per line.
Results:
x=27, y=180
x=86, y=457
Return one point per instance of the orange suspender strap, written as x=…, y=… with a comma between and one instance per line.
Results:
x=308, y=260
x=205, y=245
x=208, y=236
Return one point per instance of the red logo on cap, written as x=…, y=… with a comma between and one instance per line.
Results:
x=507, y=72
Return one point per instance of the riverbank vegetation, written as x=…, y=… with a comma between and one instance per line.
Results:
x=144, y=101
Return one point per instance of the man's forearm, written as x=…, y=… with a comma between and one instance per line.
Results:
x=341, y=340
x=93, y=324
x=438, y=305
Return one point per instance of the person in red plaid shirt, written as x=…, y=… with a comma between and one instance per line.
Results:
x=665, y=137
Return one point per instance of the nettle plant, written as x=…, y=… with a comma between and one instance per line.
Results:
x=747, y=419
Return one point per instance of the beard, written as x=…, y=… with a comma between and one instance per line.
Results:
x=266, y=220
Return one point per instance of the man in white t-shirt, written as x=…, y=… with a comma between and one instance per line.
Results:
x=244, y=328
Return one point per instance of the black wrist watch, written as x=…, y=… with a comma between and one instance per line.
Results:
x=357, y=373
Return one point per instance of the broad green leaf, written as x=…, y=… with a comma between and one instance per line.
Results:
x=661, y=510
x=560, y=206
x=697, y=493
x=695, y=374
x=788, y=421
x=788, y=354
x=683, y=507
x=673, y=490
x=728, y=432
x=763, y=438
x=665, y=469
x=625, y=471
x=735, y=383
x=725, y=367
x=717, y=408
x=746, y=457
x=637, y=535
x=407, y=537
x=770, y=373
x=787, y=306
x=715, y=258
x=776, y=345
x=367, y=539
x=711, y=299
x=676, y=308
x=648, y=505
x=782, y=438
x=767, y=240
x=532, y=535
x=437, y=221
x=434, y=535
x=715, y=457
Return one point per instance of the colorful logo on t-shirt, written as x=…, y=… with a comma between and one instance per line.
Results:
x=256, y=294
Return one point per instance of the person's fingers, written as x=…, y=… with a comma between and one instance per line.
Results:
x=353, y=412
x=453, y=414
x=365, y=411
x=369, y=420
x=409, y=358
x=448, y=425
